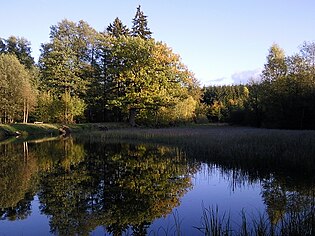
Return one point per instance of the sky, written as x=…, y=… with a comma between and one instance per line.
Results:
x=220, y=41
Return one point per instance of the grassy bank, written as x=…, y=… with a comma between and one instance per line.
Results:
x=12, y=130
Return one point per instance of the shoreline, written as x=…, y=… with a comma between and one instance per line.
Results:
x=8, y=131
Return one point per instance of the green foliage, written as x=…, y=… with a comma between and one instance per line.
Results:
x=111, y=76
x=288, y=95
x=283, y=98
x=275, y=67
x=119, y=75
x=225, y=102
x=46, y=109
x=66, y=67
x=181, y=113
x=14, y=100
x=19, y=47
x=201, y=113
x=71, y=107
x=64, y=62
x=114, y=74
x=144, y=75
x=66, y=109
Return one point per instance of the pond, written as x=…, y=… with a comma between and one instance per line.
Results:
x=75, y=186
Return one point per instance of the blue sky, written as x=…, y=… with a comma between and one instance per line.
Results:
x=222, y=41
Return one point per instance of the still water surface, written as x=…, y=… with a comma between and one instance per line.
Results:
x=83, y=187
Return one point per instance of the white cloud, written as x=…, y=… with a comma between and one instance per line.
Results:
x=244, y=77
x=220, y=81
x=241, y=77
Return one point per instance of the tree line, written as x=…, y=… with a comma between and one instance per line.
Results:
x=83, y=75
x=123, y=74
x=283, y=96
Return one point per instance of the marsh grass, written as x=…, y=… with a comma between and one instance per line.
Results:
x=255, y=151
x=294, y=223
x=298, y=223
x=212, y=223
x=174, y=230
x=216, y=223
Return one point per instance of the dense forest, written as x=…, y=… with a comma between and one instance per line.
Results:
x=283, y=97
x=124, y=74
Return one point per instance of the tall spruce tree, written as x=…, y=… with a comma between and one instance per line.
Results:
x=140, y=25
x=117, y=28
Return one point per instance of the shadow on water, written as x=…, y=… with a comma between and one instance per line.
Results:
x=84, y=184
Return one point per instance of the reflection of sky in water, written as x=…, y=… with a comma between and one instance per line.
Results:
x=35, y=224
x=210, y=188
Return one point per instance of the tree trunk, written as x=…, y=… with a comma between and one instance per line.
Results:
x=24, y=111
x=25, y=151
x=27, y=111
x=132, y=116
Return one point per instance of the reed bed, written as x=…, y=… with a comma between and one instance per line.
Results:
x=292, y=224
x=216, y=223
x=256, y=151
x=251, y=154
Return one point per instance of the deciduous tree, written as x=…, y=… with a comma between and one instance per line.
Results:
x=66, y=62
x=146, y=75
x=15, y=101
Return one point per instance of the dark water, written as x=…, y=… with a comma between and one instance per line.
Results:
x=84, y=187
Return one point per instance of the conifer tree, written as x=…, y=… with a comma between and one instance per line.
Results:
x=117, y=28
x=2, y=45
x=140, y=25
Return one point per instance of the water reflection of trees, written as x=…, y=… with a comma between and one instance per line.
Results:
x=289, y=202
x=21, y=165
x=290, y=208
x=16, y=181
x=126, y=186
x=119, y=186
